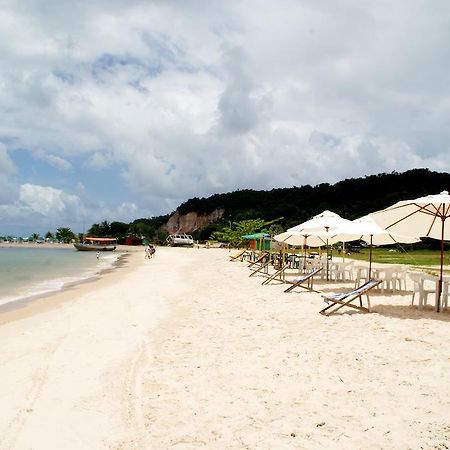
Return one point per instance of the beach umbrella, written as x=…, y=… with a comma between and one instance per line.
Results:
x=423, y=217
x=302, y=239
x=330, y=225
x=323, y=222
x=367, y=230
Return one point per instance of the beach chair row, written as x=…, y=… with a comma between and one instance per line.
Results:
x=305, y=280
x=392, y=278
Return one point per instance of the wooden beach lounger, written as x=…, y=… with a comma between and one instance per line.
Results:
x=239, y=256
x=259, y=260
x=298, y=282
x=346, y=298
x=264, y=267
x=276, y=274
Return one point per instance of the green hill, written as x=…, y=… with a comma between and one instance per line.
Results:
x=351, y=198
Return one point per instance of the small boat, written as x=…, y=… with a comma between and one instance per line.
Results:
x=96, y=244
x=180, y=239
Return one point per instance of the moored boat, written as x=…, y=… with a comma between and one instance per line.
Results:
x=96, y=244
x=180, y=239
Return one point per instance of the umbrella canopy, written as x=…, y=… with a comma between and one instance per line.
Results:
x=302, y=239
x=373, y=234
x=423, y=217
x=325, y=221
x=329, y=225
x=367, y=230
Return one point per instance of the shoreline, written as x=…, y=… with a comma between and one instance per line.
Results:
x=31, y=304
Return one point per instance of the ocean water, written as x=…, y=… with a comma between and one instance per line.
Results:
x=26, y=272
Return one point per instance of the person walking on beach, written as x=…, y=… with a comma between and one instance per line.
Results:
x=152, y=251
x=147, y=252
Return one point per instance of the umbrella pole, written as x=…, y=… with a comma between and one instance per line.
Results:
x=304, y=255
x=370, y=258
x=328, y=264
x=442, y=264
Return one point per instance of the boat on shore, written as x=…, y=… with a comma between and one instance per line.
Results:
x=96, y=244
x=179, y=239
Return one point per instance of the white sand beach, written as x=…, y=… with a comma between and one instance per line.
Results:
x=185, y=351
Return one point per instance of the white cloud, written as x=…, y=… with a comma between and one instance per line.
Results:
x=53, y=160
x=7, y=169
x=6, y=165
x=46, y=200
x=41, y=208
x=99, y=160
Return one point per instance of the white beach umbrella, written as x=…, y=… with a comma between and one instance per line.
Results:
x=299, y=239
x=330, y=225
x=323, y=222
x=302, y=239
x=423, y=217
x=366, y=229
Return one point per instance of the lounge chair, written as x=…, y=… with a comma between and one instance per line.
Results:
x=263, y=267
x=298, y=282
x=239, y=256
x=346, y=298
x=259, y=260
x=276, y=274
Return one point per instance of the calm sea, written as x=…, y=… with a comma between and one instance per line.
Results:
x=25, y=272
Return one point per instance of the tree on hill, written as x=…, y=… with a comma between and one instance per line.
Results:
x=233, y=234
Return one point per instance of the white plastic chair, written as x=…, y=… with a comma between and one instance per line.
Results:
x=422, y=289
x=387, y=274
x=400, y=278
x=344, y=271
x=361, y=275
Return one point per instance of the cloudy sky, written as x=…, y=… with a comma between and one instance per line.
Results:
x=120, y=109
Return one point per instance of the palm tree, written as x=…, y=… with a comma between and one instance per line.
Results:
x=65, y=234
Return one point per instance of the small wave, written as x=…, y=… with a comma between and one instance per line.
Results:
x=51, y=286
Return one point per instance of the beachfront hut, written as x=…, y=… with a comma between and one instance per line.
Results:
x=258, y=241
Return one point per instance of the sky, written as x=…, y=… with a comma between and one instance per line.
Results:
x=122, y=109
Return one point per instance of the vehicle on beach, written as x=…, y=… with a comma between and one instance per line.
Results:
x=96, y=244
x=179, y=239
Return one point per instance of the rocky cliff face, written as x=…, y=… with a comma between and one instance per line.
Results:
x=191, y=222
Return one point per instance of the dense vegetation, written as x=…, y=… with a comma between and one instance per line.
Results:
x=134, y=232
x=351, y=198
